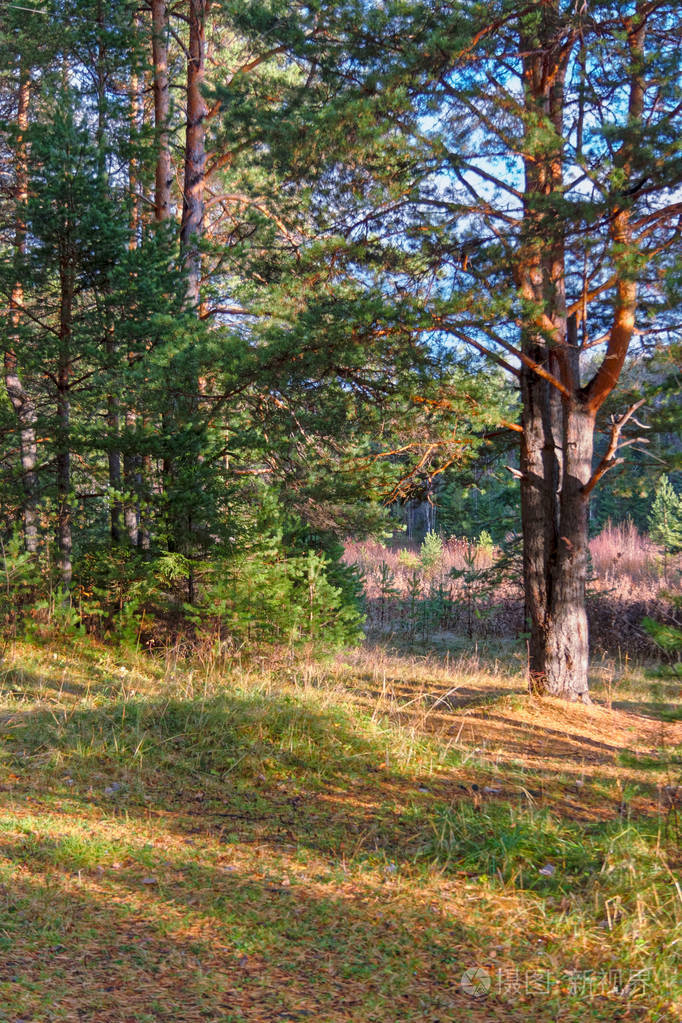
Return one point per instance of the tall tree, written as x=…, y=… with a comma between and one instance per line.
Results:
x=512, y=173
x=22, y=401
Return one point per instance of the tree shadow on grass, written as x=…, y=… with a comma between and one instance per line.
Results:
x=60, y=677
x=240, y=765
x=659, y=710
x=261, y=767
x=85, y=938
x=17, y=683
x=172, y=933
x=83, y=942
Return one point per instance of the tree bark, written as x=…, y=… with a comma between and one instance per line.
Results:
x=557, y=428
x=23, y=405
x=566, y=641
x=192, y=226
x=113, y=401
x=114, y=455
x=132, y=460
x=164, y=172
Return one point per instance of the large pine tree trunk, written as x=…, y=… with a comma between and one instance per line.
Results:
x=558, y=413
x=555, y=530
x=566, y=649
x=557, y=426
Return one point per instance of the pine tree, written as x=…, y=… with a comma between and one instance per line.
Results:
x=665, y=520
x=505, y=211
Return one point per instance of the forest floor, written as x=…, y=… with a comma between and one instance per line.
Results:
x=342, y=841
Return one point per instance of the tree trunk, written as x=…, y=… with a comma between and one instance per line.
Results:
x=114, y=457
x=566, y=649
x=164, y=172
x=63, y=460
x=191, y=231
x=131, y=469
x=192, y=226
x=131, y=460
x=23, y=405
x=538, y=516
x=556, y=558
x=557, y=423
x=113, y=400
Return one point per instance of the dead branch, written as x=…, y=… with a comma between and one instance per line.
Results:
x=609, y=461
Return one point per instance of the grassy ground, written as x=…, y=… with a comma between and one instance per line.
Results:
x=334, y=842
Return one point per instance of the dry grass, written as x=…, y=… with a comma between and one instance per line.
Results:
x=626, y=561
x=408, y=599
x=623, y=560
x=403, y=560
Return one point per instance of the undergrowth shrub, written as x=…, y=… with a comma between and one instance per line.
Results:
x=668, y=636
x=17, y=583
x=282, y=584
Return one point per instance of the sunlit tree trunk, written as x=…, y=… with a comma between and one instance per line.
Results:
x=163, y=173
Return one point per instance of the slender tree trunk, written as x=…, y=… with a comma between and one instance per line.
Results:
x=113, y=399
x=164, y=171
x=162, y=188
x=63, y=460
x=131, y=460
x=23, y=405
x=163, y=179
x=192, y=226
x=132, y=475
x=114, y=454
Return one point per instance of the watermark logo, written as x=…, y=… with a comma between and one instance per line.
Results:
x=476, y=982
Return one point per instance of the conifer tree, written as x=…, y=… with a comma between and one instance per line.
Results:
x=665, y=520
x=511, y=172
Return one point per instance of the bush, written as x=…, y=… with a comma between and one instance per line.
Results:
x=280, y=583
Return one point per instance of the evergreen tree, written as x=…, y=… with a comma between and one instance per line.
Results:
x=665, y=521
x=505, y=209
